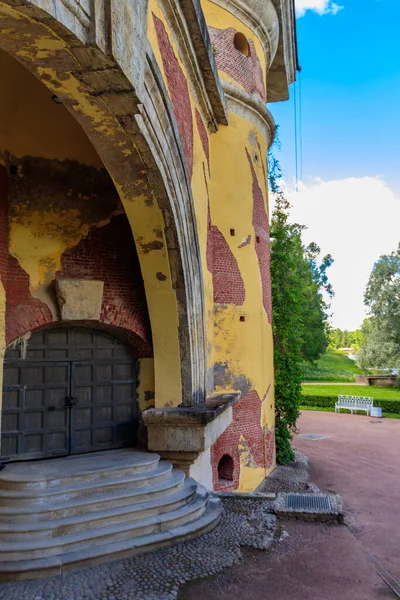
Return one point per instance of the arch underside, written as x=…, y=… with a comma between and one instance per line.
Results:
x=152, y=184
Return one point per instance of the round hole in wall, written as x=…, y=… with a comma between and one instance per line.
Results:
x=240, y=42
x=225, y=469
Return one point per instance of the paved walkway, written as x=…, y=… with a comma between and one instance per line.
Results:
x=360, y=459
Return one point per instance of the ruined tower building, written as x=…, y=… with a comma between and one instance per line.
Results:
x=135, y=292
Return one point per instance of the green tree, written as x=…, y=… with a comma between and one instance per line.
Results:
x=287, y=324
x=381, y=345
x=299, y=313
x=315, y=315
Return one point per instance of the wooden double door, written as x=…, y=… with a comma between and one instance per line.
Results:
x=68, y=391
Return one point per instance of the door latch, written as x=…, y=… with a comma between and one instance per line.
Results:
x=70, y=401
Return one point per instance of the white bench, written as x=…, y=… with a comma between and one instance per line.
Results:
x=354, y=403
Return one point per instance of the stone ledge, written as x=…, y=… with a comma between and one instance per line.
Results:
x=190, y=416
x=190, y=430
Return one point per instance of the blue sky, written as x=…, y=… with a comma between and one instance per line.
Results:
x=350, y=88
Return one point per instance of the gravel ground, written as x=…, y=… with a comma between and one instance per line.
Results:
x=291, y=478
x=158, y=575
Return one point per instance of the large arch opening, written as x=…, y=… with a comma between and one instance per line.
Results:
x=152, y=187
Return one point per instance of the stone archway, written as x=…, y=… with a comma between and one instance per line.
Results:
x=144, y=159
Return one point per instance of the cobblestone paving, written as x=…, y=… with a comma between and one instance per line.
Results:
x=294, y=477
x=158, y=575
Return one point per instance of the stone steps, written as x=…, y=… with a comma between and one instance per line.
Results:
x=99, y=507
x=63, y=526
x=29, y=496
x=12, y=513
x=58, y=565
x=77, y=469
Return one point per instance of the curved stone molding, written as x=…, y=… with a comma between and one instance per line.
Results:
x=250, y=108
x=260, y=16
x=158, y=125
x=196, y=53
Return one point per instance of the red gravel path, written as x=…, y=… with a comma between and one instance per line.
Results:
x=360, y=460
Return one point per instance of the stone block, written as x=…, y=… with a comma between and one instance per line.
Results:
x=79, y=299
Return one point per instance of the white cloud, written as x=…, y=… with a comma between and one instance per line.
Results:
x=322, y=7
x=356, y=220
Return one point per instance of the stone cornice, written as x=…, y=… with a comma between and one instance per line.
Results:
x=249, y=107
x=283, y=69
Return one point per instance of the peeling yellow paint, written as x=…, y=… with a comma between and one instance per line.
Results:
x=251, y=476
x=146, y=385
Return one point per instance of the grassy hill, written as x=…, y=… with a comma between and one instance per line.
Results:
x=332, y=366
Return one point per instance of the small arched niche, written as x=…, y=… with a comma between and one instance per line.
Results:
x=225, y=469
x=240, y=42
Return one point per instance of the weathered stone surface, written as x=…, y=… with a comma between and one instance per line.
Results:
x=158, y=575
x=189, y=429
x=98, y=507
x=79, y=299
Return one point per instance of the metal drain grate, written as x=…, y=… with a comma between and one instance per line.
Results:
x=312, y=436
x=308, y=502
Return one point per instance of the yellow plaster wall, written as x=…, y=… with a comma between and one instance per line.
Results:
x=247, y=347
x=53, y=133
x=200, y=175
x=145, y=389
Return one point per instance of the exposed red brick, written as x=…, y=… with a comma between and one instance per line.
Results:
x=3, y=222
x=203, y=137
x=246, y=70
x=108, y=254
x=262, y=240
x=179, y=92
x=23, y=312
x=247, y=423
x=227, y=280
x=246, y=242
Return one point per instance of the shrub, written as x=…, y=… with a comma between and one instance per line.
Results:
x=388, y=406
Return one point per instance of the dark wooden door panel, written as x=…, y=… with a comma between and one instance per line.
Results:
x=34, y=421
x=104, y=416
x=68, y=391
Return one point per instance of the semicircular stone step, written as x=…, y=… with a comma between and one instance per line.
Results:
x=94, y=466
x=37, y=548
x=89, y=515
x=45, y=529
x=81, y=559
x=78, y=506
x=29, y=496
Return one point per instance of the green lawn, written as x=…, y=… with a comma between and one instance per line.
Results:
x=332, y=366
x=370, y=391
